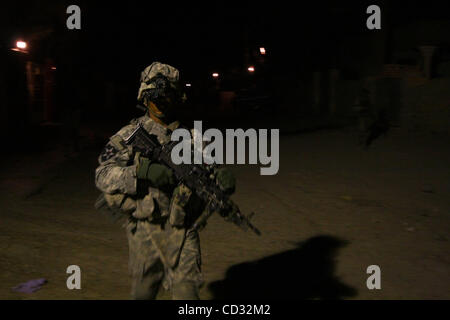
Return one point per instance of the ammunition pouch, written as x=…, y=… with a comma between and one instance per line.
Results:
x=177, y=213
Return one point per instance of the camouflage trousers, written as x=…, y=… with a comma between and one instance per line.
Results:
x=148, y=268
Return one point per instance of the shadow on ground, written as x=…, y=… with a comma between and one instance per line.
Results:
x=306, y=272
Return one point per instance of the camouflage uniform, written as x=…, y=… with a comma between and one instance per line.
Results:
x=162, y=246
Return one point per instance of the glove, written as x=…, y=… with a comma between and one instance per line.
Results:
x=158, y=175
x=226, y=180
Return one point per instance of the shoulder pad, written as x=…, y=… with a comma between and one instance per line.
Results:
x=117, y=140
x=126, y=131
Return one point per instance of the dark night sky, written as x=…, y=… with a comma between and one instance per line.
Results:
x=188, y=32
x=120, y=38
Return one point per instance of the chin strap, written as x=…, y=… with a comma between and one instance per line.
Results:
x=155, y=111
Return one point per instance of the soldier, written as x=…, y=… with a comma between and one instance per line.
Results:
x=164, y=249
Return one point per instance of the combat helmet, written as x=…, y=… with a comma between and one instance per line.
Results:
x=160, y=90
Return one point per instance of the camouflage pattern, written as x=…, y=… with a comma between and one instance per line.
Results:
x=162, y=247
x=180, y=199
x=151, y=71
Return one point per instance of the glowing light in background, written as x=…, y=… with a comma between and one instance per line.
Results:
x=262, y=50
x=251, y=69
x=215, y=75
x=21, y=44
x=188, y=85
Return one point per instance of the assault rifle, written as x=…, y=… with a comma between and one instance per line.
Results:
x=198, y=178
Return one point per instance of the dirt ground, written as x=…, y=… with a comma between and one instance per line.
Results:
x=332, y=210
